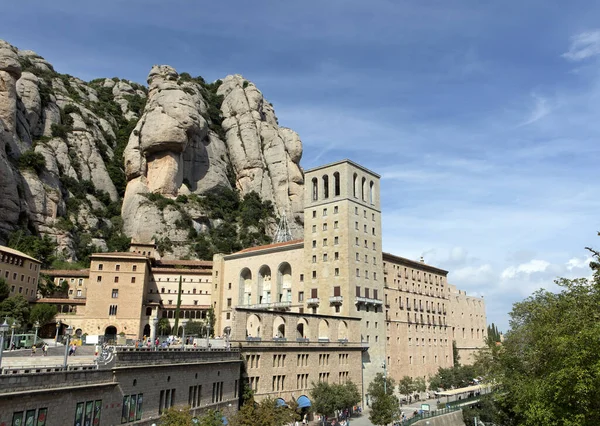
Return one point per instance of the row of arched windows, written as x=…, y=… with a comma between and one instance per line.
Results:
x=324, y=187
x=363, y=189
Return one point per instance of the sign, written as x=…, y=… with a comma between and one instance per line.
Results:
x=425, y=407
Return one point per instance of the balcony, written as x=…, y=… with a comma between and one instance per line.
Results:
x=368, y=301
x=336, y=300
x=313, y=301
x=273, y=305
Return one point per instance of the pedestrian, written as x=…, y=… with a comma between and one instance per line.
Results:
x=45, y=349
x=33, y=348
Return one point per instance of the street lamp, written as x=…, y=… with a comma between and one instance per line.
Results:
x=58, y=324
x=3, y=329
x=208, y=336
x=12, y=334
x=155, y=323
x=37, y=326
x=183, y=324
x=68, y=332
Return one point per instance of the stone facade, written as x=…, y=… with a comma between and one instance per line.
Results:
x=468, y=322
x=200, y=379
x=20, y=271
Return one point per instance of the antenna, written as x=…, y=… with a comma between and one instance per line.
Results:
x=283, y=233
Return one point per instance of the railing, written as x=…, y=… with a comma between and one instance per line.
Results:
x=368, y=300
x=429, y=414
x=272, y=305
x=336, y=300
x=37, y=369
x=313, y=301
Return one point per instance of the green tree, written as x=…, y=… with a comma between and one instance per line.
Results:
x=164, y=327
x=323, y=399
x=210, y=321
x=264, y=413
x=406, y=386
x=43, y=313
x=177, y=308
x=16, y=308
x=385, y=406
x=455, y=354
x=176, y=416
x=211, y=418
x=4, y=289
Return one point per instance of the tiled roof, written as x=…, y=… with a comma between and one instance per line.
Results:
x=65, y=301
x=184, y=262
x=268, y=246
x=66, y=272
x=18, y=253
x=120, y=254
x=183, y=271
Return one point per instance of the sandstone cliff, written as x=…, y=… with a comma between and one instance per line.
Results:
x=73, y=154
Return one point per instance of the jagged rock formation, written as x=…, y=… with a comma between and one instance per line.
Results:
x=68, y=149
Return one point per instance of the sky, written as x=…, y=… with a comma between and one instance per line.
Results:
x=482, y=117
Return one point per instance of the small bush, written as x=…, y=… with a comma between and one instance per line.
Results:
x=59, y=131
x=32, y=160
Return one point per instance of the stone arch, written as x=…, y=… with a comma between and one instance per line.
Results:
x=264, y=285
x=245, y=287
x=284, y=282
x=325, y=186
x=279, y=327
x=253, y=326
x=147, y=330
x=355, y=184
x=302, y=329
x=323, y=329
x=364, y=189
x=336, y=184
x=315, y=189
x=343, y=330
x=371, y=192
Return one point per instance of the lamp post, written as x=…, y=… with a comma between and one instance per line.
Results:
x=37, y=326
x=155, y=323
x=384, y=377
x=3, y=329
x=58, y=324
x=12, y=334
x=183, y=324
x=68, y=332
x=208, y=336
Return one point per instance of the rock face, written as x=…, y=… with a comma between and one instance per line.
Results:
x=109, y=143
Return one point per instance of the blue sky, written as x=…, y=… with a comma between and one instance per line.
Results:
x=482, y=117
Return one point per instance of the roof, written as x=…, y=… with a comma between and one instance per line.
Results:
x=186, y=306
x=66, y=272
x=183, y=271
x=120, y=254
x=269, y=246
x=18, y=253
x=459, y=391
x=63, y=300
x=415, y=263
x=185, y=262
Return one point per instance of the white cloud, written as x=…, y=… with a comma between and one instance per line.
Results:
x=584, y=45
x=469, y=274
x=578, y=263
x=528, y=268
x=541, y=109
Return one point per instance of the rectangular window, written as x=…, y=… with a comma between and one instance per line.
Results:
x=134, y=268
x=356, y=225
x=336, y=256
x=336, y=241
x=300, y=296
x=314, y=274
x=132, y=280
x=324, y=242
x=314, y=258
x=99, y=279
x=337, y=291
x=117, y=267
x=335, y=225
x=337, y=272
x=314, y=214
x=324, y=257
x=314, y=244
x=313, y=293
x=229, y=302
x=301, y=277
x=100, y=267
x=115, y=293
x=324, y=227
x=324, y=212
x=116, y=279
x=314, y=228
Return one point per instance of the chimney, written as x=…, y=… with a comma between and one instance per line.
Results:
x=422, y=259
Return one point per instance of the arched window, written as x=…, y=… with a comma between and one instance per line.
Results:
x=364, y=189
x=325, y=186
x=315, y=189
x=284, y=283
x=245, y=287
x=264, y=285
x=336, y=184
x=355, y=184
x=279, y=328
x=323, y=330
x=253, y=326
x=371, y=192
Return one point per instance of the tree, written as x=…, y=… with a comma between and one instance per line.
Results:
x=210, y=320
x=4, y=289
x=176, y=417
x=43, y=313
x=384, y=404
x=195, y=328
x=16, y=308
x=455, y=354
x=323, y=399
x=177, y=309
x=264, y=413
x=406, y=386
x=164, y=327
x=548, y=364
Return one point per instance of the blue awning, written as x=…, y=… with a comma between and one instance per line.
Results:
x=224, y=420
x=304, y=402
x=280, y=402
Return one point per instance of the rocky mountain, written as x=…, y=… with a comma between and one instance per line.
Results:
x=93, y=164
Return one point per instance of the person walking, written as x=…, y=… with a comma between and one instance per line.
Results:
x=33, y=349
x=45, y=349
